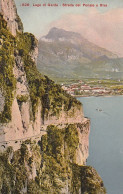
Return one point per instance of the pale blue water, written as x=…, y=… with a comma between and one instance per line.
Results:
x=106, y=139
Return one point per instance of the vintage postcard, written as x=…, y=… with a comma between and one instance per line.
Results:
x=61, y=96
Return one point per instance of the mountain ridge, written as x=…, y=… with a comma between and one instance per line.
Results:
x=56, y=34
x=64, y=54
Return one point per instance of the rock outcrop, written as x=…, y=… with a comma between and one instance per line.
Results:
x=9, y=12
x=36, y=101
x=49, y=166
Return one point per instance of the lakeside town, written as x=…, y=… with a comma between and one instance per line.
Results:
x=100, y=88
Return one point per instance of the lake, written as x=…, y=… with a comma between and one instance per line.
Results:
x=106, y=139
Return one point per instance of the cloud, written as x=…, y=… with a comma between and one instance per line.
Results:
x=103, y=29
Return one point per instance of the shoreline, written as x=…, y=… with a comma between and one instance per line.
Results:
x=97, y=95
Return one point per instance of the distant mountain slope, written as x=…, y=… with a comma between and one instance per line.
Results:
x=67, y=55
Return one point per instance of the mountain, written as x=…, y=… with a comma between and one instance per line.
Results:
x=44, y=136
x=68, y=55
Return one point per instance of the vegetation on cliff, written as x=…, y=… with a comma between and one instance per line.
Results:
x=53, y=163
x=7, y=80
x=41, y=88
x=47, y=167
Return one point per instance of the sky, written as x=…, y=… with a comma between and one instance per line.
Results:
x=100, y=25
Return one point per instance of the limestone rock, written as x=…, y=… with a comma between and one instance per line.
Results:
x=9, y=12
x=82, y=152
x=34, y=54
x=2, y=99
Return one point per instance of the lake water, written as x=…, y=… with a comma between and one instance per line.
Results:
x=106, y=139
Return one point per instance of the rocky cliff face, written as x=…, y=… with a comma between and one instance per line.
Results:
x=35, y=100
x=48, y=167
x=9, y=12
x=44, y=125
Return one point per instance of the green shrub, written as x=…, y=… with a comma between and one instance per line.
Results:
x=72, y=140
x=22, y=98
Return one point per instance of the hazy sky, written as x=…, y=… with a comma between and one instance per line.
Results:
x=100, y=25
